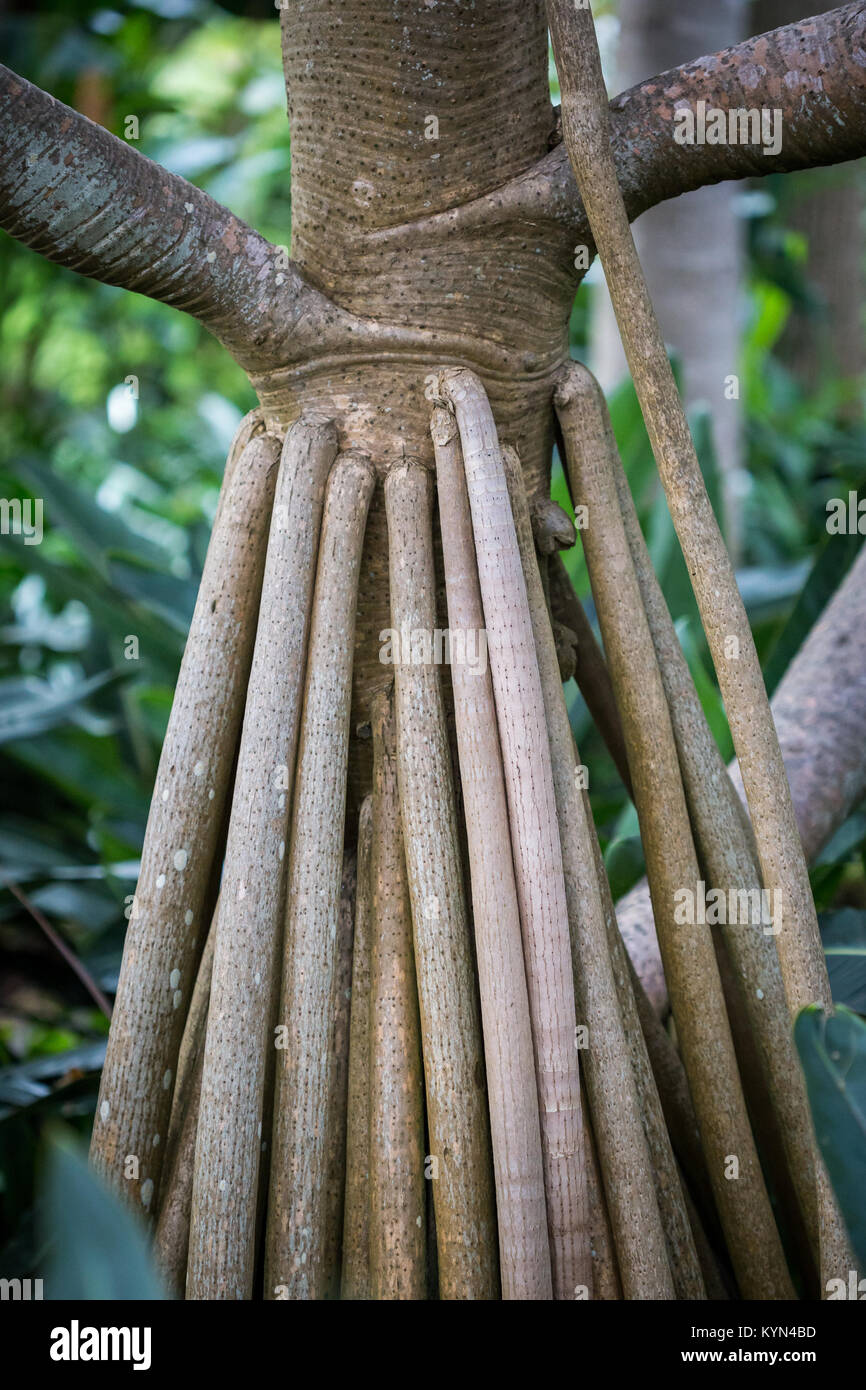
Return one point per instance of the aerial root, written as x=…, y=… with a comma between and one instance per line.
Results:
x=336, y=1115
x=679, y=1230
x=355, y=1278
x=297, y=1248
x=784, y=874
x=167, y=925
x=524, y=1249
x=397, y=1196
x=245, y=977
x=535, y=836
x=688, y=955
x=171, y=1237
x=460, y=1158
x=607, y=1284
x=611, y=1091
x=727, y=853
x=451, y=978
x=591, y=673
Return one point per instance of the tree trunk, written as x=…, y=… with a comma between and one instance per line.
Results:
x=391, y=110
x=828, y=211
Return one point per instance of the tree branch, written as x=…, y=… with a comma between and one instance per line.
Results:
x=813, y=71
x=89, y=201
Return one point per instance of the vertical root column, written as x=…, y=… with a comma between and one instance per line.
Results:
x=613, y=1098
x=397, y=1192
x=355, y=1281
x=245, y=971
x=586, y=130
x=687, y=952
x=171, y=1237
x=727, y=853
x=534, y=832
x=524, y=1249
x=183, y=830
x=297, y=1248
x=460, y=1162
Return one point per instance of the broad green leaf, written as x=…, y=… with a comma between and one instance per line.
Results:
x=833, y=1053
x=624, y=862
x=844, y=936
x=97, y=1250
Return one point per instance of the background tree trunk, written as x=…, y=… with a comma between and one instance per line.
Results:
x=691, y=248
x=827, y=208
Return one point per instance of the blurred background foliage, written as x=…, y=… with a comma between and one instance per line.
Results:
x=118, y=413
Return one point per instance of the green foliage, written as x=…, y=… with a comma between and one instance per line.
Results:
x=844, y=935
x=94, y=1247
x=833, y=1053
x=129, y=487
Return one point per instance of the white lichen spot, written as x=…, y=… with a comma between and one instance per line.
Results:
x=146, y=1192
x=174, y=979
x=211, y=794
x=258, y=977
x=198, y=769
x=188, y=207
x=180, y=859
x=166, y=1080
x=210, y=257
x=363, y=193
x=160, y=882
x=760, y=993
x=178, y=995
x=187, y=917
x=222, y=1184
x=155, y=1141
x=105, y=1110
x=282, y=849
x=417, y=1221
x=165, y=794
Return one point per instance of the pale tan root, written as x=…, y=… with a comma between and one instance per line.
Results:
x=397, y=1188
x=459, y=1163
x=687, y=951
x=534, y=831
x=166, y=929
x=245, y=979
x=171, y=1236
x=355, y=1282
x=296, y=1253
x=524, y=1250
x=586, y=131
x=624, y=1156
